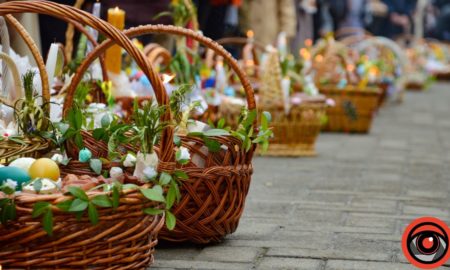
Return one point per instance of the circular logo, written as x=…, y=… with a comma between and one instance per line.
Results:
x=425, y=243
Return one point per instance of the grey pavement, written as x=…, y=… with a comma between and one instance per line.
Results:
x=346, y=208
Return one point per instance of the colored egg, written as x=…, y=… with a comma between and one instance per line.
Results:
x=15, y=174
x=44, y=168
x=22, y=163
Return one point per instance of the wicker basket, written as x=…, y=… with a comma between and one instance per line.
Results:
x=362, y=103
x=32, y=146
x=213, y=198
x=295, y=133
x=125, y=237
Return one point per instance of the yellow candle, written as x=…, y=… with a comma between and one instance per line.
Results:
x=113, y=59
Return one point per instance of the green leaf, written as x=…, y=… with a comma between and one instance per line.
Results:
x=171, y=197
x=213, y=145
x=78, y=193
x=16, y=140
x=39, y=208
x=165, y=178
x=177, y=140
x=216, y=132
x=102, y=201
x=221, y=123
x=115, y=196
x=47, y=222
x=65, y=205
x=37, y=185
x=96, y=165
x=196, y=134
x=181, y=174
x=129, y=186
x=78, y=205
x=98, y=133
x=93, y=214
x=177, y=190
x=153, y=211
x=62, y=127
x=153, y=194
x=79, y=140
x=170, y=220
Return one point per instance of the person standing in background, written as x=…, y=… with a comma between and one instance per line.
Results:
x=267, y=18
x=218, y=18
x=399, y=20
x=305, y=10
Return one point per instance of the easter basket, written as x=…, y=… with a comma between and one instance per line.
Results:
x=24, y=145
x=123, y=237
x=354, y=106
x=213, y=196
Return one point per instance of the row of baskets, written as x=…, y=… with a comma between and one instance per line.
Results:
x=101, y=215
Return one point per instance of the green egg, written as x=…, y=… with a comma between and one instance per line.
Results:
x=15, y=174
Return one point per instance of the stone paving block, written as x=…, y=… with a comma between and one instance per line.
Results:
x=359, y=265
x=334, y=253
x=289, y=263
x=201, y=265
x=228, y=254
x=425, y=211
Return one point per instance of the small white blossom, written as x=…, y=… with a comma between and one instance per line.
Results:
x=330, y=102
x=150, y=173
x=116, y=173
x=183, y=154
x=11, y=184
x=129, y=161
x=58, y=158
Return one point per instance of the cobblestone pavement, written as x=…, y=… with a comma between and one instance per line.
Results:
x=346, y=208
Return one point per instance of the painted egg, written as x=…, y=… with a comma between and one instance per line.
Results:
x=22, y=163
x=15, y=174
x=44, y=168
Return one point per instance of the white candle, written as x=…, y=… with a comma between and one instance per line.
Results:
x=221, y=77
x=4, y=35
x=94, y=33
x=282, y=45
x=50, y=65
x=285, y=87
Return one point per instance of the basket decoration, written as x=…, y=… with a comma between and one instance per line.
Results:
x=218, y=166
x=439, y=60
x=24, y=124
x=106, y=223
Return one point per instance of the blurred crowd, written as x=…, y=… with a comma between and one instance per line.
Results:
x=298, y=19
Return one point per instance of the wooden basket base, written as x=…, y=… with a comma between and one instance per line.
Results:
x=290, y=150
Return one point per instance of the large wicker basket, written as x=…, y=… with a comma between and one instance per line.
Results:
x=213, y=198
x=32, y=146
x=124, y=238
x=354, y=108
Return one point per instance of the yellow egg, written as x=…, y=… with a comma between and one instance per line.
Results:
x=44, y=168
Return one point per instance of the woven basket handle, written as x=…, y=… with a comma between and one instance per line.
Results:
x=11, y=65
x=154, y=51
x=169, y=29
x=70, y=13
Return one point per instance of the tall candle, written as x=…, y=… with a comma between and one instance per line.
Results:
x=113, y=59
x=286, y=87
x=4, y=36
x=94, y=33
x=50, y=65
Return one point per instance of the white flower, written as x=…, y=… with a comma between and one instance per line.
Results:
x=58, y=158
x=183, y=154
x=330, y=102
x=129, y=161
x=149, y=173
x=11, y=184
x=116, y=173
